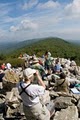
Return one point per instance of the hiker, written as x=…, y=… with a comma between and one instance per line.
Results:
x=74, y=70
x=1, y=78
x=36, y=65
x=62, y=84
x=8, y=66
x=48, y=61
x=3, y=66
x=29, y=92
x=57, y=67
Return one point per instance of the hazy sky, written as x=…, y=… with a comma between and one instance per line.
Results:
x=28, y=19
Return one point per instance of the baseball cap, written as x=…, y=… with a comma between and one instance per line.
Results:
x=28, y=72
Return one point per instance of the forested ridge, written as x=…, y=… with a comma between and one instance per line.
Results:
x=58, y=48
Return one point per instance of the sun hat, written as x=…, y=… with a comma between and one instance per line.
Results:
x=28, y=72
x=49, y=54
x=35, y=60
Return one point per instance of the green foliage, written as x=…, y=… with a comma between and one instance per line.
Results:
x=15, y=62
x=58, y=48
x=2, y=57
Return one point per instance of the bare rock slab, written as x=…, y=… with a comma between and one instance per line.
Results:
x=71, y=113
x=63, y=102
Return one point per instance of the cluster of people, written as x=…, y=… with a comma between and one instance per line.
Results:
x=30, y=92
x=40, y=69
x=5, y=66
x=8, y=74
x=50, y=68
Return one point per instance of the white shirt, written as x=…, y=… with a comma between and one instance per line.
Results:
x=8, y=65
x=33, y=90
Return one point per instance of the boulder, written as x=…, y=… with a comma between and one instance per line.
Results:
x=2, y=106
x=10, y=79
x=71, y=113
x=78, y=106
x=63, y=102
x=45, y=98
x=53, y=94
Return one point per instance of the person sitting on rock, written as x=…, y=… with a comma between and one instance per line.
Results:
x=57, y=68
x=62, y=84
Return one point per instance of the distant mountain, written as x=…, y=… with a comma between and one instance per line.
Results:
x=76, y=42
x=7, y=47
x=57, y=46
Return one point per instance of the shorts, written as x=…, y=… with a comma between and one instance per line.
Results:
x=36, y=112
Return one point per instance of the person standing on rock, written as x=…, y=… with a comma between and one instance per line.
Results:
x=30, y=93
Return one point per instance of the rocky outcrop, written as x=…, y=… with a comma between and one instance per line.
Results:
x=66, y=105
x=71, y=113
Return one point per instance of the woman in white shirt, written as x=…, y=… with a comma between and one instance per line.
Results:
x=30, y=94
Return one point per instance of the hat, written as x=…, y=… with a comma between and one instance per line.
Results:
x=28, y=72
x=62, y=75
x=49, y=54
x=35, y=60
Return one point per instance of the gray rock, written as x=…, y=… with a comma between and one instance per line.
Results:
x=16, y=95
x=2, y=105
x=9, y=95
x=76, y=96
x=63, y=102
x=1, y=117
x=45, y=98
x=53, y=94
x=71, y=113
x=78, y=106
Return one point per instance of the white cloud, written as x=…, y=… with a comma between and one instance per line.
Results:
x=4, y=35
x=47, y=5
x=24, y=25
x=73, y=9
x=29, y=4
x=14, y=29
x=50, y=19
x=2, y=32
x=27, y=24
x=68, y=33
x=6, y=19
x=48, y=22
x=5, y=16
x=5, y=8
